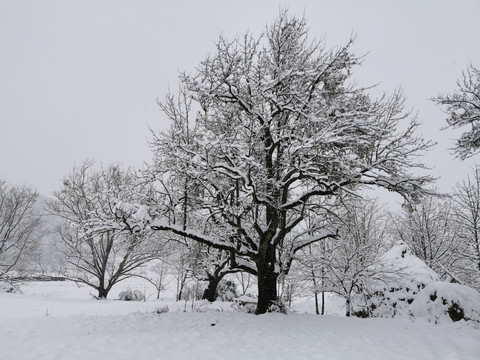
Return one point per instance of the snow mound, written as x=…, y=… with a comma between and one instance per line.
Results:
x=412, y=269
x=403, y=276
x=442, y=302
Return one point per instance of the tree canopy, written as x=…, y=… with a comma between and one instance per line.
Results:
x=463, y=110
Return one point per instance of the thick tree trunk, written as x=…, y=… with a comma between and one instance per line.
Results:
x=102, y=293
x=267, y=287
x=348, y=307
x=101, y=288
x=210, y=292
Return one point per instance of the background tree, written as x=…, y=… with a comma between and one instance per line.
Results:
x=348, y=264
x=430, y=231
x=467, y=216
x=100, y=255
x=19, y=220
x=463, y=110
x=281, y=126
x=245, y=280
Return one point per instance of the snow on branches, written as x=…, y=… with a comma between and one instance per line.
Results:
x=463, y=110
x=280, y=126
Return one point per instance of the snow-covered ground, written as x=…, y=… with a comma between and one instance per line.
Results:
x=58, y=320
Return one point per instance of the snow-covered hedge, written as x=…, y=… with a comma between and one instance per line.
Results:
x=442, y=302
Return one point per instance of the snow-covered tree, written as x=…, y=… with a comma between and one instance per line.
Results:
x=348, y=264
x=467, y=216
x=99, y=252
x=279, y=126
x=463, y=110
x=19, y=219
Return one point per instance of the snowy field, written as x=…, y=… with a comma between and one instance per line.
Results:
x=58, y=320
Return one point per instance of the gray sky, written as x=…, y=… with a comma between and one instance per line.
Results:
x=79, y=79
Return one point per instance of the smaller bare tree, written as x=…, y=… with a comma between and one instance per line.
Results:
x=246, y=281
x=467, y=217
x=429, y=229
x=101, y=257
x=346, y=265
x=18, y=222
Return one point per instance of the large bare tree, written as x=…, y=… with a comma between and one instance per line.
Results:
x=277, y=124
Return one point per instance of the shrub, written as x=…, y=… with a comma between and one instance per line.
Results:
x=278, y=307
x=456, y=312
x=161, y=309
x=227, y=290
x=7, y=287
x=131, y=295
x=246, y=303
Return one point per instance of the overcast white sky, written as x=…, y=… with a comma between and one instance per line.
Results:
x=79, y=79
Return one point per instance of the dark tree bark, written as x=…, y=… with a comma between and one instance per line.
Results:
x=102, y=293
x=267, y=282
x=210, y=292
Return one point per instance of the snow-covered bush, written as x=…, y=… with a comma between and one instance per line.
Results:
x=278, y=307
x=131, y=295
x=404, y=275
x=162, y=309
x=442, y=302
x=246, y=303
x=7, y=287
x=227, y=290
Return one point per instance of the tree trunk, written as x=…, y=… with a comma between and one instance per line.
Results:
x=102, y=293
x=159, y=284
x=210, y=292
x=102, y=290
x=267, y=287
x=323, y=303
x=347, y=307
x=315, y=289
